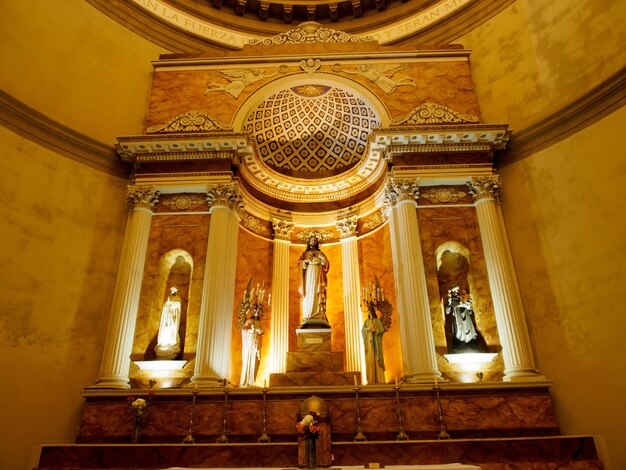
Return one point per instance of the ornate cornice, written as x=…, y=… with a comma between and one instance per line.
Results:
x=42, y=130
x=225, y=195
x=142, y=197
x=433, y=113
x=347, y=227
x=484, y=187
x=310, y=32
x=282, y=229
x=191, y=121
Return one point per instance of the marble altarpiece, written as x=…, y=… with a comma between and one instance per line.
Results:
x=381, y=153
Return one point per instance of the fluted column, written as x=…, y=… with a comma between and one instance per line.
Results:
x=121, y=330
x=216, y=309
x=279, y=322
x=351, y=301
x=416, y=332
x=507, y=302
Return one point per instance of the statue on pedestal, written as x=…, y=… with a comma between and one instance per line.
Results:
x=373, y=330
x=250, y=311
x=313, y=265
x=464, y=334
x=168, y=340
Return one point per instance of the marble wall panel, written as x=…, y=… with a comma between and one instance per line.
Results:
x=187, y=232
x=254, y=261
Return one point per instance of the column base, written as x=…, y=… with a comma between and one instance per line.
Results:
x=115, y=382
x=423, y=377
x=523, y=376
x=206, y=382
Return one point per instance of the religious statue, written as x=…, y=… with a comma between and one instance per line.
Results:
x=168, y=340
x=465, y=336
x=373, y=330
x=250, y=311
x=313, y=265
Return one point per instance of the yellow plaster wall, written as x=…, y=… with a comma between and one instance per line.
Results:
x=77, y=66
x=565, y=220
x=534, y=58
x=62, y=230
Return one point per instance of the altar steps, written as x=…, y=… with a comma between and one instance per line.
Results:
x=533, y=453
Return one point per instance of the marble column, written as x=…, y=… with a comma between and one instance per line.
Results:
x=416, y=333
x=279, y=321
x=355, y=355
x=218, y=290
x=517, y=354
x=121, y=330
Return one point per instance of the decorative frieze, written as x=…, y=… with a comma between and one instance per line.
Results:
x=484, y=187
x=183, y=202
x=191, y=121
x=282, y=229
x=225, y=195
x=347, y=227
x=442, y=195
x=310, y=32
x=376, y=219
x=144, y=197
x=384, y=76
x=433, y=113
x=321, y=234
x=238, y=80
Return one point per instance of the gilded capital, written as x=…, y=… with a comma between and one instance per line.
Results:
x=225, y=195
x=347, y=227
x=282, y=229
x=484, y=187
x=401, y=189
x=142, y=197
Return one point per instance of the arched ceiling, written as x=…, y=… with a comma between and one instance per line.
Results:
x=198, y=25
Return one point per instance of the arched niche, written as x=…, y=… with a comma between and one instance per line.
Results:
x=454, y=269
x=175, y=269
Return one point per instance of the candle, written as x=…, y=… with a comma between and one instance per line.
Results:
x=396, y=381
x=354, y=377
x=264, y=383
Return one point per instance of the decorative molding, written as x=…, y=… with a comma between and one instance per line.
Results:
x=282, y=229
x=191, y=121
x=142, y=197
x=310, y=32
x=433, y=113
x=252, y=223
x=375, y=220
x=40, y=129
x=442, y=195
x=183, y=202
x=347, y=227
x=484, y=187
x=310, y=65
x=599, y=102
x=321, y=234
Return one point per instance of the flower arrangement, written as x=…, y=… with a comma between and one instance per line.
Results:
x=138, y=406
x=309, y=427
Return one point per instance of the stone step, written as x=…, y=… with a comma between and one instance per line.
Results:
x=299, y=361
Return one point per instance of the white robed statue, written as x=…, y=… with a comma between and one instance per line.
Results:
x=460, y=307
x=373, y=330
x=168, y=340
x=249, y=322
x=313, y=265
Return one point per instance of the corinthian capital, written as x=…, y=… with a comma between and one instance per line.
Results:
x=282, y=229
x=484, y=187
x=225, y=195
x=401, y=189
x=347, y=227
x=142, y=197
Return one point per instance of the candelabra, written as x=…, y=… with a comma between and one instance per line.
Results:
x=189, y=439
x=359, y=436
x=443, y=434
x=373, y=296
x=264, y=438
x=402, y=436
x=223, y=439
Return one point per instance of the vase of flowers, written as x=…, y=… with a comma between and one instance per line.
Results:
x=309, y=430
x=139, y=408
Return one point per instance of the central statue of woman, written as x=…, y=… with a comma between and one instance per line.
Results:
x=313, y=265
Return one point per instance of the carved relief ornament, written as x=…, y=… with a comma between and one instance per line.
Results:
x=401, y=189
x=183, y=202
x=191, y=121
x=484, y=187
x=432, y=113
x=321, y=234
x=142, y=197
x=347, y=227
x=310, y=32
x=376, y=219
x=225, y=195
x=443, y=195
x=252, y=223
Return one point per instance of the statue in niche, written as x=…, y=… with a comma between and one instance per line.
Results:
x=168, y=340
x=373, y=330
x=464, y=334
x=249, y=322
x=313, y=265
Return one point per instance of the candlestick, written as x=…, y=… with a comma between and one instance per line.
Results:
x=396, y=381
x=354, y=377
